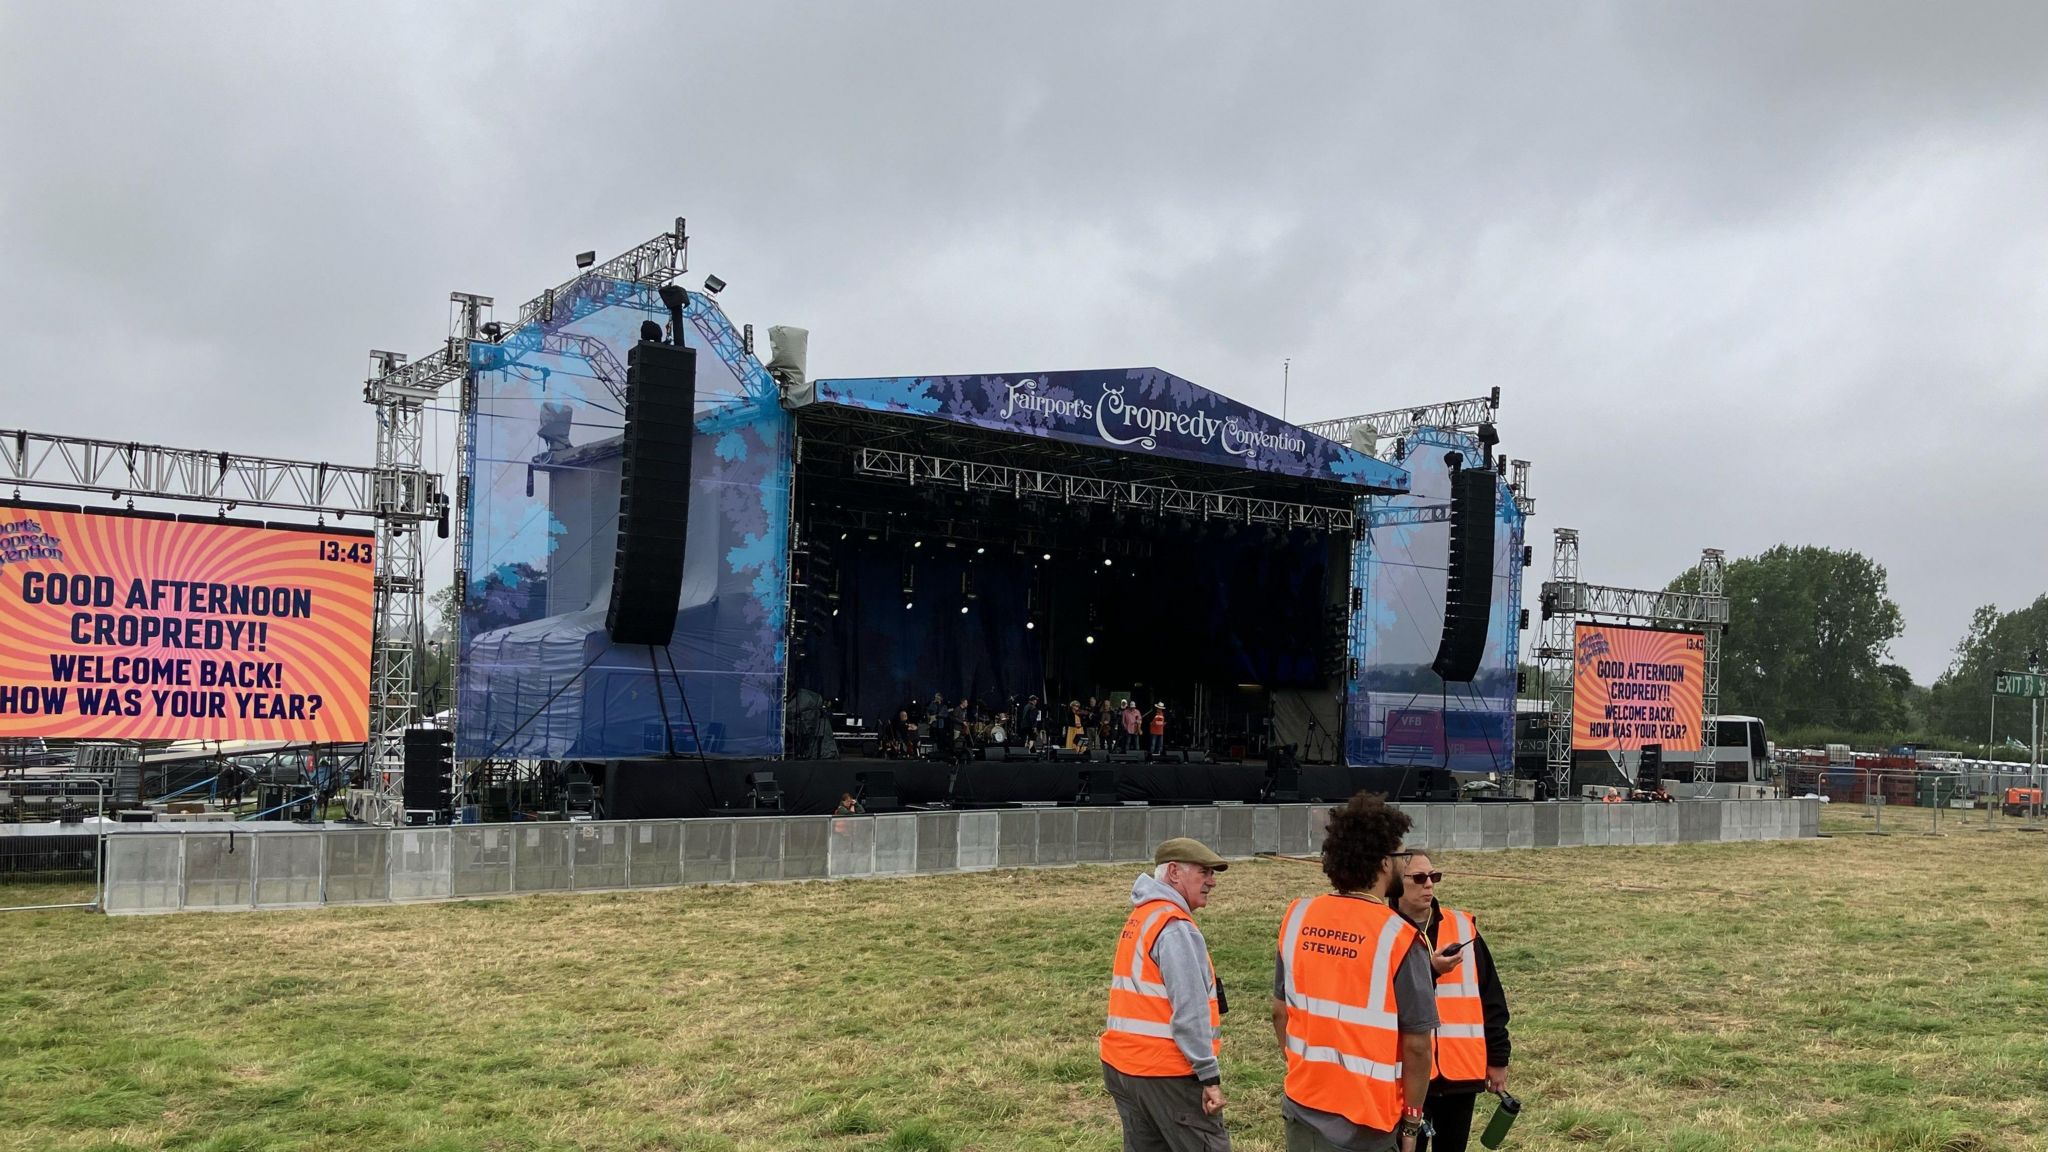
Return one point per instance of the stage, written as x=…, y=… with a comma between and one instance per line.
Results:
x=687, y=787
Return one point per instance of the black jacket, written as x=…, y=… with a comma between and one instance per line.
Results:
x=1492, y=999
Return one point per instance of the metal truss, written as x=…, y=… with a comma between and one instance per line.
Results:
x=1636, y=605
x=1568, y=600
x=1463, y=415
x=655, y=263
x=913, y=468
x=1395, y=517
x=76, y=464
x=1555, y=657
x=1518, y=486
x=1713, y=586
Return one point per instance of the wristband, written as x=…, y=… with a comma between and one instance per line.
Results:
x=1411, y=1113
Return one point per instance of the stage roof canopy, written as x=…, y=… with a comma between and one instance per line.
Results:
x=1141, y=411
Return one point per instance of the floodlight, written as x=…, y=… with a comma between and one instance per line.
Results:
x=714, y=285
x=586, y=259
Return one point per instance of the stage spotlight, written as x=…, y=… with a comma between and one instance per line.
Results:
x=917, y=544
x=1046, y=556
x=493, y=330
x=586, y=259
x=1107, y=562
x=906, y=605
x=1488, y=434
x=835, y=611
x=1091, y=639
x=650, y=332
x=714, y=285
x=842, y=535
x=979, y=551
x=963, y=609
x=1030, y=624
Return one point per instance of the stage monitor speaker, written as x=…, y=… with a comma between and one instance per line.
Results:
x=1468, y=581
x=1126, y=757
x=763, y=792
x=654, y=493
x=876, y=790
x=1098, y=787
x=429, y=761
x=1283, y=777
x=995, y=752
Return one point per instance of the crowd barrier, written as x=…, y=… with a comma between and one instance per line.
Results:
x=210, y=868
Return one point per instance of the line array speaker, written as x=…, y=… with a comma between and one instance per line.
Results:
x=429, y=769
x=654, y=493
x=1468, y=583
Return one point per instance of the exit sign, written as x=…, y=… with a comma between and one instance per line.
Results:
x=2032, y=685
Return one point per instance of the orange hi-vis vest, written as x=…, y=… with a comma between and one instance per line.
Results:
x=1338, y=955
x=1459, y=1051
x=1137, y=1039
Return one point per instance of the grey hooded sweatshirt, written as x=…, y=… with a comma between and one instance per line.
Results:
x=1183, y=959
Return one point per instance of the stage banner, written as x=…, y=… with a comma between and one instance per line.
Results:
x=1636, y=686
x=132, y=627
x=1140, y=410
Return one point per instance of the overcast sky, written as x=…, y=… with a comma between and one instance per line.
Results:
x=1744, y=273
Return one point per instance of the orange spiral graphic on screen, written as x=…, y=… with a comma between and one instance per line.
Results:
x=324, y=655
x=1636, y=686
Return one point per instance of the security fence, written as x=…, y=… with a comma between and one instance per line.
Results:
x=160, y=869
x=1976, y=798
x=51, y=859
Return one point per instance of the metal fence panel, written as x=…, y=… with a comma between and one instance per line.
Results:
x=357, y=865
x=1233, y=831
x=540, y=856
x=654, y=851
x=707, y=851
x=145, y=872
x=851, y=850
x=938, y=841
x=1056, y=830
x=1017, y=838
x=757, y=848
x=598, y=855
x=896, y=844
x=420, y=863
x=1127, y=836
x=1163, y=824
x=217, y=870
x=805, y=846
x=287, y=868
x=480, y=859
x=978, y=838
x=1093, y=833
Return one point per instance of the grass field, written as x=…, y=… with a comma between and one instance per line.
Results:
x=1856, y=992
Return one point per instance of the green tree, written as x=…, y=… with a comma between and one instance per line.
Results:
x=1809, y=631
x=1960, y=703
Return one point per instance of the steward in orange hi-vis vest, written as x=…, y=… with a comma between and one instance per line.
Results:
x=1338, y=956
x=1160, y=1037
x=1460, y=1049
x=1137, y=1037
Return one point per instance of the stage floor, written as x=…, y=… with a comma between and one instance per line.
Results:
x=673, y=788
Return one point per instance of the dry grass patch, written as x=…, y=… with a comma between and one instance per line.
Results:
x=1852, y=993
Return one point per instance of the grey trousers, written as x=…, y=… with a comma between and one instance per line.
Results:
x=1164, y=1114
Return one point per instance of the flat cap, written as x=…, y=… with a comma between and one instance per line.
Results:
x=1188, y=850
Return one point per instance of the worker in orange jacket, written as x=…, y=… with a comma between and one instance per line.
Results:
x=1160, y=1040
x=1471, y=1048
x=1354, y=1002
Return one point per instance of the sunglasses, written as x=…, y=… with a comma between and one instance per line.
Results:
x=1431, y=877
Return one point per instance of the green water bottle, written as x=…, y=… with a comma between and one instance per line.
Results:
x=1503, y=1119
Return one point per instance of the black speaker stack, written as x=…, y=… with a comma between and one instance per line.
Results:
x=654, y=493
x=429, y=770
x=1468, y=583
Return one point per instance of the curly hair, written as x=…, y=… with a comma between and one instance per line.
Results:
x=1362, y=833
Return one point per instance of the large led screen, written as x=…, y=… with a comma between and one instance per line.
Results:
x=1636, y=686
x=132, y=627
